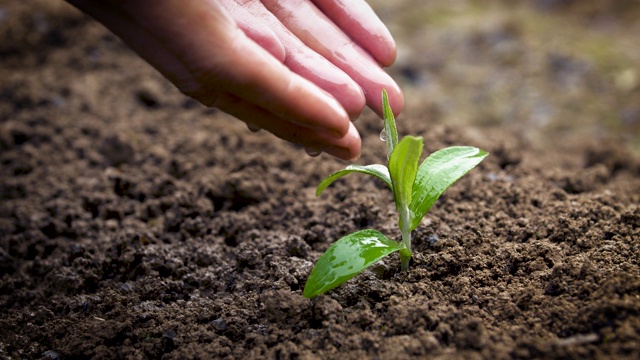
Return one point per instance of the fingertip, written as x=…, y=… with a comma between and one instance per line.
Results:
x=359, y=21
x=394, y=93
x=349, y=147
x=353, y=100
x=338, y=116
x=388, y=53
x=354, y=142
x=382, y=46
x=329, y=81
x=343, y=153
x=396, y=99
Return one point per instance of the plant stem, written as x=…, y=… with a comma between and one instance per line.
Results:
x=405, y=223
x=405, y=257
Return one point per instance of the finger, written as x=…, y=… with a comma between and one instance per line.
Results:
x=325, y=38
x=309, y=64
x=360, y=23
x=259, y=79
x=346, y=147
x=255, y=29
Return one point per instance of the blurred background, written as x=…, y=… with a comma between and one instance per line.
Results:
x=551, y=70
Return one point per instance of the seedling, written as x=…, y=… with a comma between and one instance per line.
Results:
x=415, y=189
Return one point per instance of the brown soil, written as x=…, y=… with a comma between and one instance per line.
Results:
x=136, y=224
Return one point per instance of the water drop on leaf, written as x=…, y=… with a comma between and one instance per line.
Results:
x=383, y=135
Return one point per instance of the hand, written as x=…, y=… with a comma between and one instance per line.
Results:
x=299, y=69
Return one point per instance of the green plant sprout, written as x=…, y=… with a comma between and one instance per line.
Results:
x=415, y=189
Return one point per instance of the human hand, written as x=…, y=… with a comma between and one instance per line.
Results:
x=299, y=69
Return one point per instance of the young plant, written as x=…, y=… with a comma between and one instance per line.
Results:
x=415, y=189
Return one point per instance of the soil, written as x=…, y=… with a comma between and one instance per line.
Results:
x=135, y=223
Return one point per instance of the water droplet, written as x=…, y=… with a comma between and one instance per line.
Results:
x=253, y=128
x=383, y=135
x=313, y=151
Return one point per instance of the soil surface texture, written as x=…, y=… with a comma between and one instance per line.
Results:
x=135, y=223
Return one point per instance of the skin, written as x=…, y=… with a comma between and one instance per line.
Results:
x=300, y=69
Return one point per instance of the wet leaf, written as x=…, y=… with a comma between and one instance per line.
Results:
x=346, y=258
x=437, y=173
x=377, y=170
x=390, y=130
x=403, y=165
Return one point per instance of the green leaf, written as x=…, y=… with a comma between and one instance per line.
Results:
x=437, y=173
x=390, y=130
x=346, y=258
x=377, y=170
x=403, y=165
